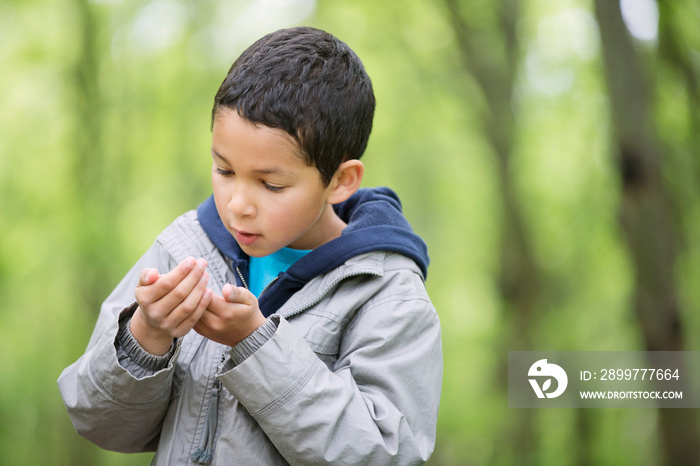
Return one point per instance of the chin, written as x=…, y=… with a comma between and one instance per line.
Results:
x=256, y=252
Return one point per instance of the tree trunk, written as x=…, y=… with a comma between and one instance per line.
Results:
x=494, y=71
x=646, y=221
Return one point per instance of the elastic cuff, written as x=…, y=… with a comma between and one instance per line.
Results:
x=130, y=348
x=255, y=340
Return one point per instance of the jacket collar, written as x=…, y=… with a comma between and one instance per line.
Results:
x=371, y=263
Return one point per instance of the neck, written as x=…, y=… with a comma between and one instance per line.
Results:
x=327, y=228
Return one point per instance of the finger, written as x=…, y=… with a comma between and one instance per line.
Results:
x=172, y=288
x=192, y=320
x=209, y=316
x=183, y=310
x=148, y=277
x=230, y=322
x=201, y=328
x=238, y=294
x=216, y=307
x=145, y=293
x=170, y=317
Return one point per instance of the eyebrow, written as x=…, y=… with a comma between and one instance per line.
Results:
x=215, y=153
x=260, y=171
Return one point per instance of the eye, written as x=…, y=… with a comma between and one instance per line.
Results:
x=274, y=189
x=223, y=172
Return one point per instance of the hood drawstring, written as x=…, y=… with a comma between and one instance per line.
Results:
x=203, y=454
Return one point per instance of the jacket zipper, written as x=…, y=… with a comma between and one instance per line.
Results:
x=267, y=287
x=240, y=275
x=204, y=452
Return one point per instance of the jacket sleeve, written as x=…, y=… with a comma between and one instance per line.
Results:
x=377, y=405
x=111, y=400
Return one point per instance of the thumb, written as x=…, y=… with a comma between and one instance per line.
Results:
x=238, y=294
x=148, y=277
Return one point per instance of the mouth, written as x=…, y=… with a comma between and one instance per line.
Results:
x=245, y=238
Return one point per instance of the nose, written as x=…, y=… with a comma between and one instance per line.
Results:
x=240, y=203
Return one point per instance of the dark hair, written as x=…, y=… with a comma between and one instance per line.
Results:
x=311, y=85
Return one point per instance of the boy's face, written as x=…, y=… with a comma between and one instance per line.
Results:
x=266, y=195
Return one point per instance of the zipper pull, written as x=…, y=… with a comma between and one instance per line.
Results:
x=203, y=454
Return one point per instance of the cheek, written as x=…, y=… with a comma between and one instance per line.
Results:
x=287, y=217
x=279, y=217
x=214, y=184
x=219, y=192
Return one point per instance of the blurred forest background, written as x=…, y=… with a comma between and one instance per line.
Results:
x=547, y=150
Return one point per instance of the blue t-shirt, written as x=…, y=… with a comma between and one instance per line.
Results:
x=265, y=269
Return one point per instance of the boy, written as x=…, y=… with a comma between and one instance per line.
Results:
x=327, y=350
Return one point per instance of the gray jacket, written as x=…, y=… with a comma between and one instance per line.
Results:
x=348, y=371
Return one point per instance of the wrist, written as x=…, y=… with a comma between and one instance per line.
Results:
x=253, y=342
x=151, y=339
x=254, y=323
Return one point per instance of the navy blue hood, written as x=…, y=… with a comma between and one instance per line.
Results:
x=375, y=223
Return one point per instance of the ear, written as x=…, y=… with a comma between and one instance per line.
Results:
x=346, y=181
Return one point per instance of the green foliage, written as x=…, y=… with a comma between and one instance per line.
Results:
x=104, y=139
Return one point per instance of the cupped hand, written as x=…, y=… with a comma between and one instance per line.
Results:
x=231, y=318
x=169, y=305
